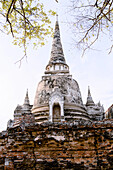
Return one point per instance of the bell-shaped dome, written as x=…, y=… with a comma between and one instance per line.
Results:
x=68, y=88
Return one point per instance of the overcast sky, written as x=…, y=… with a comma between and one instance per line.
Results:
x=95, y=69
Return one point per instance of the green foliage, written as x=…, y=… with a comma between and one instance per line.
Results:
x=25, y=20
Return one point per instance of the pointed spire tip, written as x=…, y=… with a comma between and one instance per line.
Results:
x=89, y=93
x=57, y=17
x=26, y=100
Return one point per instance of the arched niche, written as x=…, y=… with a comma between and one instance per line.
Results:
x=56, y=116
x=56, y=107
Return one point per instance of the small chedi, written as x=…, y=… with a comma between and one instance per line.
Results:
x=109, y=112
x=58, y=131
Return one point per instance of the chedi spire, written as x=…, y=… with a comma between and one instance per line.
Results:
x=90, y=101
x=57, y=56
x=26, y=100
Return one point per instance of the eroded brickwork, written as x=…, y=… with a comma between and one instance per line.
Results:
x=80, y=145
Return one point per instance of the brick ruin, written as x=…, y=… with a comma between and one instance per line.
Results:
x=79, y=145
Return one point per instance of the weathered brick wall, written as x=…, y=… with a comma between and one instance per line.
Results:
x=77, y=145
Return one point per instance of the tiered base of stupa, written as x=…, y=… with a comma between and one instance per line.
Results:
x=72, y=112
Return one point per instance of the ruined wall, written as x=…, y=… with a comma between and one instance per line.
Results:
x=80, y=145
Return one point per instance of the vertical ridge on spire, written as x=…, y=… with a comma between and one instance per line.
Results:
x=26, y=100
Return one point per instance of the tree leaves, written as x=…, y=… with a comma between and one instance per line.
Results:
x=25, y=20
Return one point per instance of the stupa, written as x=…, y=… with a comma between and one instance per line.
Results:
x=58, y=96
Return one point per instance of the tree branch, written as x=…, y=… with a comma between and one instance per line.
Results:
x=93, y=26
x=7, y=15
